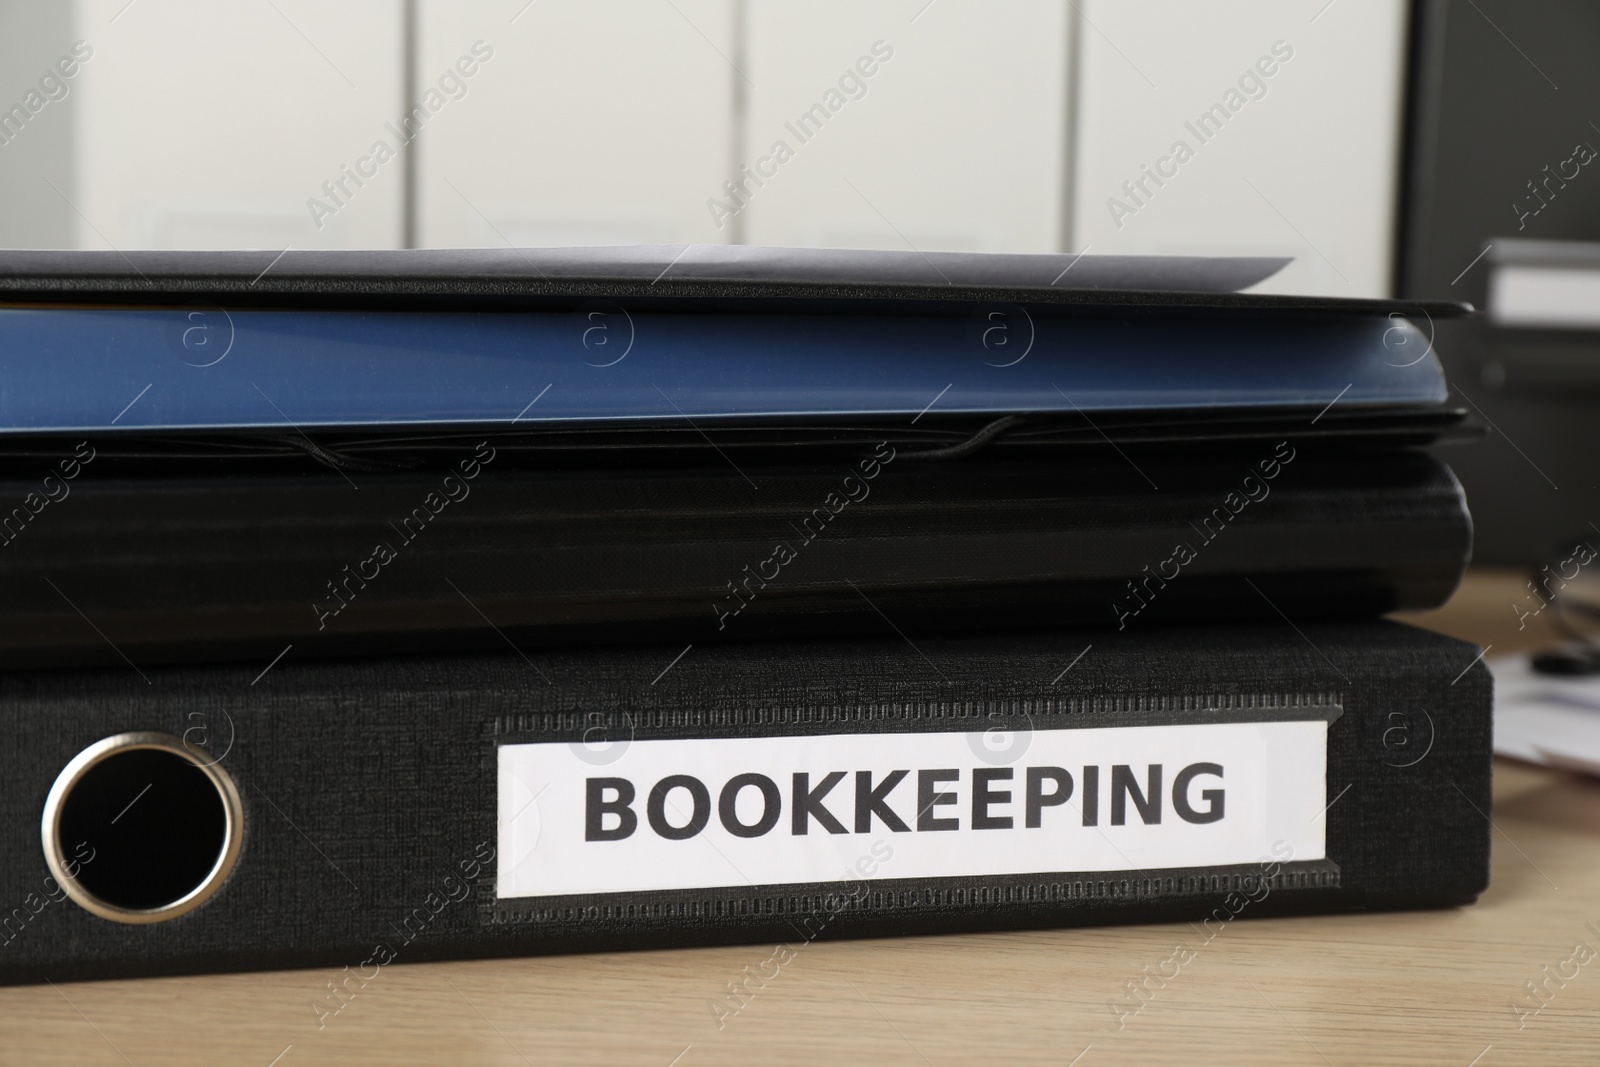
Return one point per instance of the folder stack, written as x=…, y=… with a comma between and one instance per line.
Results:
x=402, y=606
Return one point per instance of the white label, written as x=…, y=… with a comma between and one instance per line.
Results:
x=703, y=814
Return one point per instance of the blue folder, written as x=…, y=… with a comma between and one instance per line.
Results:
x=78, y=370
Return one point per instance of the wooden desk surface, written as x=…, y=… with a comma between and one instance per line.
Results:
x=1425, y=987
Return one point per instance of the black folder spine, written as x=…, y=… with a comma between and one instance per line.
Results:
x=371, y=813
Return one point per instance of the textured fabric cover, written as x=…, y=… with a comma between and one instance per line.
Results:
x=366, y=782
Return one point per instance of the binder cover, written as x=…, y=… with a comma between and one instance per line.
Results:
x=196, y=341
x=194, y=370
x=351, y=815
x=482, y=545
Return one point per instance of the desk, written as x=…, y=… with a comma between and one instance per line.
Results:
x=1423, y=987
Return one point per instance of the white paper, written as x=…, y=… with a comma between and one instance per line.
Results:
x=1546, y=718
x=840, y=267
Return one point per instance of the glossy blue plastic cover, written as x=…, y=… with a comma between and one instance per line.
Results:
x=84, y=369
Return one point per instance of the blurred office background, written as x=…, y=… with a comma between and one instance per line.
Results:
x=988, y=126
x=1383, y=144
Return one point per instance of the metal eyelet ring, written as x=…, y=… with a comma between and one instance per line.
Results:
x=67, y=870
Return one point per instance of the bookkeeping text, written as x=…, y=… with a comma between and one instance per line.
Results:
x=709, y=812
x=610, y=813
x=1251, y=490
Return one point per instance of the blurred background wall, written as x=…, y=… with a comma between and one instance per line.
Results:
x=32, y=156
x=950, y=124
